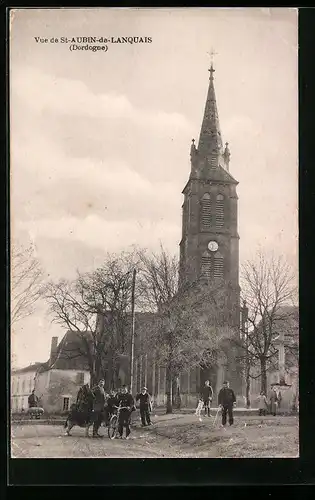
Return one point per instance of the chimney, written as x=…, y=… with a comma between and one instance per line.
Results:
x=53, y=349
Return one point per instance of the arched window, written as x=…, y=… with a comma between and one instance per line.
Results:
x=218, y=268
x=219, y=211
x=206, y=266
x=206, y=211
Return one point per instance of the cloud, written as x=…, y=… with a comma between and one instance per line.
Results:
x=68, y=168
x=44, y=93
x=94, y=232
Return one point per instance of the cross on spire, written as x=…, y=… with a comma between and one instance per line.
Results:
x=212, y=53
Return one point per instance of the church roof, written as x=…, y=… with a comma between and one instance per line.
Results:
x=210, y=161
x=210, y=135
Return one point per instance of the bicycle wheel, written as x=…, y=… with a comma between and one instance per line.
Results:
x=112, y=427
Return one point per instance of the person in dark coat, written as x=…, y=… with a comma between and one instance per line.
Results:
x=98, y=407
x=85, y=400
x=274, y=401
x=145, y=406
x=32, y=400
x=110, y=406
x=125, y=400
x=226, y=401
x=206, y=396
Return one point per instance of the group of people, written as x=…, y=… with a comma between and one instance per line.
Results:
x=102, y=406
x=227, y=402
x=272, y=405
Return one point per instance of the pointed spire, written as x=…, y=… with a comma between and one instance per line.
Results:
x=210, y=140
x=226, y=155
x=192, y=148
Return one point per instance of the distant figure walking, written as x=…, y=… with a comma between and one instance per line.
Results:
x=226, y=401
x=32, y=400
x=145, y=406
x=274, y=401
x=262, y=403
x=207, y=395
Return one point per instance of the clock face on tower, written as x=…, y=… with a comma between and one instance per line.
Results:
x=213, y=246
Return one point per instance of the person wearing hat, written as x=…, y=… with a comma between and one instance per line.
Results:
x=226, y=401
x=32, y=400
x=126, y=401
x=145, y=406
x=98, y=406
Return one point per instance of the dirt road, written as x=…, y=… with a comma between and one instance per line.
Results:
x=48, y=441
x=171, y=436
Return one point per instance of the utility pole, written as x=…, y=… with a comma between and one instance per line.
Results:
x=247, y=363
x=132, y=329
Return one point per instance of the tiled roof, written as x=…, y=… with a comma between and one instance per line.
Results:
x=70, y=351
x=30, y=368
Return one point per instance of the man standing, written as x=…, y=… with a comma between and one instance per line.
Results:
x=226, y=400
x=111, y=403
x=125, y=400
x=145, y=405
x=207, y=395
x=99, y=404
x=32, y=400
x=273, y=398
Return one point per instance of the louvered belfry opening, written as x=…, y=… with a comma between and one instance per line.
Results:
x=206, y=211
x=219, y=211
x=206, y=265
x=218, y=271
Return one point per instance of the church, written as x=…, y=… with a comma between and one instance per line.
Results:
x=209, y=249
x=209, y=252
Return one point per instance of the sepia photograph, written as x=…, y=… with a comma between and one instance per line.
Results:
x=154, y=233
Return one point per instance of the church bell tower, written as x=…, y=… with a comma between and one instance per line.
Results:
x=209, y=248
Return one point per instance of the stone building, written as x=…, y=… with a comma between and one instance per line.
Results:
x=56, y=381
x=22, y=384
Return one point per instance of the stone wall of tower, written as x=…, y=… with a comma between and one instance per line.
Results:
x=210, y=177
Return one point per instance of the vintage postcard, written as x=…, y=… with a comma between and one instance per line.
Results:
x=154, y=232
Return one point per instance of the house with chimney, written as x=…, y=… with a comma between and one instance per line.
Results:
x=56, y=382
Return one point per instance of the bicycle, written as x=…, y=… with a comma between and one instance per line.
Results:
x=113, y=423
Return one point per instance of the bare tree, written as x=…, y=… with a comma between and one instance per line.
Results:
x=157, y=282
x=26, y=282
x=188, y=328
x=95, y=305
x=268, y=286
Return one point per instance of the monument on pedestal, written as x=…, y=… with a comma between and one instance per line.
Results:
x=283, y=389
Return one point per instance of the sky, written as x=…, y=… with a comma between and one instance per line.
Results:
x=100, y=141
